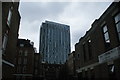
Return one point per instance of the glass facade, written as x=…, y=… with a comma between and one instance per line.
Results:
x=54, y=42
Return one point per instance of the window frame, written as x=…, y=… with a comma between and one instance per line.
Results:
x=117, y=23
x=19, y=60
x=84, y=52
x=24, y=69
x=26, y=53
x=5, y=41
x=25, y=61
x=90, y=48
x=78, y=55
x=106, y=34
x=106, y=40
x=21, y=45
x=18, y=69
x=9, y=16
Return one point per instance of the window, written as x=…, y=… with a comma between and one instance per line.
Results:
x=78, y=55
x=18, y=69
x=19, y=60
x=117, y=22
x=24, y=69
x=84, y=52
x=20, y=53
x=9, y=16
x=106, y=36
x=90, y=49
x=21, y=45
x=5, y=39
x=25, y=60
x=117, y=18
x=26, y=52
x=111, y=70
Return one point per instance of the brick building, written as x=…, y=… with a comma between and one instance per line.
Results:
x=37, y=66
x=10, y=26
x=98, y=52
x=71, y=65
x=24, y=59
x=50, y=71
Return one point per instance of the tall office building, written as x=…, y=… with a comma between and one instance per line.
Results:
x=54, y=42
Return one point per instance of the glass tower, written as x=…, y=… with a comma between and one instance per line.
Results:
x=54, y=42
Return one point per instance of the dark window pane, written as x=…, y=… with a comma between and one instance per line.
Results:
x=9, y=17
x=117, y=18
x=104, y=29
x=106, y=36
x=5, y=42
x=118, y=27
x=84, y=52
x=119, y=35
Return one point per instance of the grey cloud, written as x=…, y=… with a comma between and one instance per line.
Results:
x=78, y=15
x=38, y=10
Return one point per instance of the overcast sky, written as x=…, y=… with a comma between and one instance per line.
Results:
x=78, y=15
